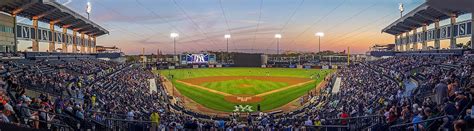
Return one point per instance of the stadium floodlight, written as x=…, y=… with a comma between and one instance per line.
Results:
x=174, y=35
x=278, y=37
x=227, y=37
x=400, y=7
x=88, y=9
x=319, y=35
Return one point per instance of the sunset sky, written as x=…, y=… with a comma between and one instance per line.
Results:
x=201, y=24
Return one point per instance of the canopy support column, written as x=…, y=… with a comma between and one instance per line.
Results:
x=82, y=42
x=35, y=43
x=94, y=47
x=452, y=41
x=64, y=44
x=424, y=44
x=437, y=44
x=407, y=44
x=15, y=46
x=472, y=30
x=89, y=43
x=74, y=41
x=396, y=42
x=51, y=46
x=415, y=37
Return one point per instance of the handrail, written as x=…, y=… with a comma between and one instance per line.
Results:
x=48, y=122
x=52, y=123
x=415, y=123
x=330, y=126
x=125, y=120
x=357, y=117
x=465, y=108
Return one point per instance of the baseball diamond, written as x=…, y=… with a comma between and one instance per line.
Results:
x=221, y=89
x=236, y=65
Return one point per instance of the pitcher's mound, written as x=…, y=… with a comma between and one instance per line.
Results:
x=245, y=85
x=243, y=99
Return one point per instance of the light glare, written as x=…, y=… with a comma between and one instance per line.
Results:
x=321, y=34
x=174, y=35
x=278, y=36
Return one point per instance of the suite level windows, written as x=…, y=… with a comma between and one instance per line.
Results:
x=7, y=29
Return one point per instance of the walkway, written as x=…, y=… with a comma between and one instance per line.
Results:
x=337, y=86
x=152, y=85
x=409, y=87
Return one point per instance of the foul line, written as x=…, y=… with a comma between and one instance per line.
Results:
x=205, y=88
x=284, y=88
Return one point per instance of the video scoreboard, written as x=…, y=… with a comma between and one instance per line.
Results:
x=198, y=58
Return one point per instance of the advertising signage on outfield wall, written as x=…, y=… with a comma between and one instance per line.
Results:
x=461, y=29
x=27, y=32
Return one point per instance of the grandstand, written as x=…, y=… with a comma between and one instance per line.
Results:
x=85, y=86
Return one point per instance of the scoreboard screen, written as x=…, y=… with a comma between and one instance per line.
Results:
x=197, y=58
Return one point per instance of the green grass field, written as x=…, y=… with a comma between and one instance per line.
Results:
x=244, y=86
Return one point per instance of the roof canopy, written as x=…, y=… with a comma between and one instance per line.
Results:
x=422, y=15
x=49, y=11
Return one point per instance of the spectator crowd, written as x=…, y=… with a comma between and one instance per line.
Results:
x=373, y=94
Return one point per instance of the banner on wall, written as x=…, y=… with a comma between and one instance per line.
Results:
x=27, y=32
x=459, y=30
x=325, y=67
x=299, y=66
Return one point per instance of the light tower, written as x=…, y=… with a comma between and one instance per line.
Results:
x=319, y=35
x=174, y=36
x=278, y=37
x=88, y=9
x=227, y=37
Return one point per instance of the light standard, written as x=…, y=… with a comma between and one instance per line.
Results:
x=174, y=35
x=319, y=35
x=278, y=37
x=88, y=9
x=227, y=37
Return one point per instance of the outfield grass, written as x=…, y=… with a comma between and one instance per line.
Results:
x=217, y=102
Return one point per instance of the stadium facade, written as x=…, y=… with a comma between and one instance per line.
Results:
x=76, y=29
x=408, y=37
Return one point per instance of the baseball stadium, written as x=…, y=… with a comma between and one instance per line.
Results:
x=224, y=65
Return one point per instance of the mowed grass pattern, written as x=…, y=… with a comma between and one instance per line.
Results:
x=205, y=72
x=217, y=102
x=244, y=86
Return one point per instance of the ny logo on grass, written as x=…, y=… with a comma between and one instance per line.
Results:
x=241, y=108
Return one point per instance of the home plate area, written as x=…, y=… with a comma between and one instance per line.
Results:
x=243, y=98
